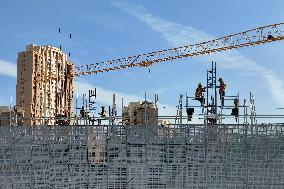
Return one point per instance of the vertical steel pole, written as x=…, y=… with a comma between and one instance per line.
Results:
x=215, y=83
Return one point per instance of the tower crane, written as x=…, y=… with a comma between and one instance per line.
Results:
x=257, y=36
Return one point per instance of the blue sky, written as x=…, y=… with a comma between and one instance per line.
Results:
x=103, y=30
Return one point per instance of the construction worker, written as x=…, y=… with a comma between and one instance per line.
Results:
x=189, y=112
x=103, y=112
x=199, y=94
x=83, y=112
x=222, y=90
x=235, y=110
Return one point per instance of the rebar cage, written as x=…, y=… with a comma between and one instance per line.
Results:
x=118, y=156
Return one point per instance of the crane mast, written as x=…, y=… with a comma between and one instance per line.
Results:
x=257, y=36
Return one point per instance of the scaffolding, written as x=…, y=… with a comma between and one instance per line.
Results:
x=150, y=156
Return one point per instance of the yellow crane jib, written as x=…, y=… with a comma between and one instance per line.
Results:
x=257, y=36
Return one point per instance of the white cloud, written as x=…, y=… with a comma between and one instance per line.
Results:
x=8, y=68
x=178, y=34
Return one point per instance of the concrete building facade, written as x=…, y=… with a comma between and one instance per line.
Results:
x=45, y=84
x=140, y=113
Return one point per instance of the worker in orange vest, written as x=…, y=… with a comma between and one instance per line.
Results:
x=199, y=94
x=222, y=90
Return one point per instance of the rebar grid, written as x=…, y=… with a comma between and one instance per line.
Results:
x=117, y=156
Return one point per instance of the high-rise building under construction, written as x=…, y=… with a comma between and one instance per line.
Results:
x=44, y=84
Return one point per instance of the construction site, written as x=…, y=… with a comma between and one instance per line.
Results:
x=50, y=139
